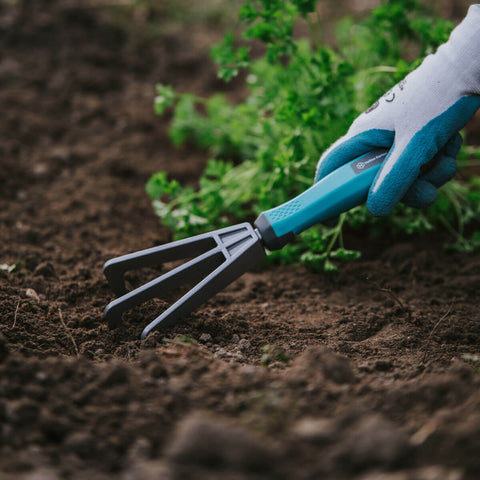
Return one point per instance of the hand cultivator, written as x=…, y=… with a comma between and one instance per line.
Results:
x=221, y=256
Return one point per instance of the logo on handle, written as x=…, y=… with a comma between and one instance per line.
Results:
x=368, y=161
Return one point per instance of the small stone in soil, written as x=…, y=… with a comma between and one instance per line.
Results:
x=244, y=345
x=31, y=293
x=205, y=338
x=222, y=353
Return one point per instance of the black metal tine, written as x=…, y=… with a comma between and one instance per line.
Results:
x=191, y=271
x=115, y=268
x=232, y=268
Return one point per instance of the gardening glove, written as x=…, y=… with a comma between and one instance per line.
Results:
x=418, y=121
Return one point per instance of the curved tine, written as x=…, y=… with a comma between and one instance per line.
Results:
x=191, y=271
x=115, y=268
x=113, y=271
x=217, y=280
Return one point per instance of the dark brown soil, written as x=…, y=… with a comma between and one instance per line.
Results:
x=368, y=374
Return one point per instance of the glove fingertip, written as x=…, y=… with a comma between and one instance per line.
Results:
x=378, y=207
x=453, y=146
x=443, y=171
x=448, y=171
x=421, y=194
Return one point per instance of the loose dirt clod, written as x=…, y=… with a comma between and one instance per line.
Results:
x=429, y=473
x=118, y=375
x=212, y=443
x=318, y=363
x=375, y=442
x=244, y=345
x=45, y=269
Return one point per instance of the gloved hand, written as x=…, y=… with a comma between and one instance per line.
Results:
x=418, y=121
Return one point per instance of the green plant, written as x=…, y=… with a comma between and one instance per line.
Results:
x=272, y=353
x=184, y=340
x=302, y=95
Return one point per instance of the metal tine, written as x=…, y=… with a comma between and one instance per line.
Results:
x=115, y=268
x=191, y=271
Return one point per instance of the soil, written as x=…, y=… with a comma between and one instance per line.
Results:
x=368, y=374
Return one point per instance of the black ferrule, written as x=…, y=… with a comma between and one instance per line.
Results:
x=269, y=237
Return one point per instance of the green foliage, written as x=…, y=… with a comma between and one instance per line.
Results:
x=183, y=339
x=165, y=97
x=231, y=59
x=302, y=96
x=273, y=353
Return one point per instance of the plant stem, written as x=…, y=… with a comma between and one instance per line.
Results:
x=457, y=207
x=460, y=238
x=338, y=233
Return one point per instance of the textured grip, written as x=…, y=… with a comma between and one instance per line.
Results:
x=285, y=210
x=338, y=192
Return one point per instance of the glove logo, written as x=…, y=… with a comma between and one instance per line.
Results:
x=389, y=97
x=373, y=107
x=368, y=161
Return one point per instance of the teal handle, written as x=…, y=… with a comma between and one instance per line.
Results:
x=336, y=193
